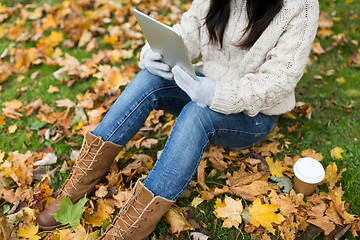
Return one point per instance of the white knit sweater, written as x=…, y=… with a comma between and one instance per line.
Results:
x=262, y=78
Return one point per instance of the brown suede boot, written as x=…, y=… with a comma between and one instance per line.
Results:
x=139, y=216
x=94, y=161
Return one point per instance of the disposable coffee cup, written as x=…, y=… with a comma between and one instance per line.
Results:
x=308, y=174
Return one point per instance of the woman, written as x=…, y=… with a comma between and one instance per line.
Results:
x=253, y=51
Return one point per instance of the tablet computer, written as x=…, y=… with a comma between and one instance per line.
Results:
x=163, y=39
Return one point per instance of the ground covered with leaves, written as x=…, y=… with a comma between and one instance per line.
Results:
x=63, y=64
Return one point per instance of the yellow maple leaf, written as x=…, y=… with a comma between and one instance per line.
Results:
x=12, y=128
x=2, y=120
x=103, y=212
x=37, y=13
x=113, y=40
x=336, y=152
x=2, y=155
x=276, y=168
x=3, y=28
x=29, y=232
x=264, y=215
x=331, y=175
x=340, y=80
x=2, y=8
x=196, y=201
x=230, y=211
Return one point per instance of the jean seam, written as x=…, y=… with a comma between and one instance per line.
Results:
x=242, y=132
x=137, y=106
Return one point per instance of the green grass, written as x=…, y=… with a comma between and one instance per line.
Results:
x=334, y=122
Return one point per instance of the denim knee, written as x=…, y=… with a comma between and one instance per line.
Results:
x=146, y=80
x=197, y=119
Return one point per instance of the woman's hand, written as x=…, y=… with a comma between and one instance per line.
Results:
x=152, y=62
x=200, y=90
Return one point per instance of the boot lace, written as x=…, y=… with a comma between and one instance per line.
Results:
x=83, y=164
x=118, y=232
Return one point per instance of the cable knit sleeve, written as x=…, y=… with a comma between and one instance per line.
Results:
x=284, y=65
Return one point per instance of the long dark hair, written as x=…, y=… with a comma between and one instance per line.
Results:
x=260, y=13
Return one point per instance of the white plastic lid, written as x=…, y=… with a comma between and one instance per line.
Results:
x=309, y=170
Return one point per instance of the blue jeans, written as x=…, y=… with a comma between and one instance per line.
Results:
x=194, y=129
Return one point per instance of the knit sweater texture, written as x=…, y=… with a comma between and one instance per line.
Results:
x=262, y=78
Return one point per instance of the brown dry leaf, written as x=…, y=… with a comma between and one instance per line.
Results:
x=287, y=230
x=317, y=48
x=297, y=198
x=206, y=195
x=201, y=175
x=4, y=71
x=80, y=233
x=218, y=191
x=264, y=215
x=331, y=175
x=354, y=59
x=14, y=104
x=333, y=214
x=142, y=164
x=284, y=203
x=318, y=210
x=288, y=161
x=103, y=212
x=267, y=149
x=241, y=177
x=324, y=20
x=249, y=192
x=336, y=195
x=121, y=197
x=312, y=154
x=65, y=103
x=215, y=154
x=149, y=143
x=324, y=33
x=32, y=107
x=96, y=115
x=324, y=223
x=85, y=38
x=101, y=192
x=53, y=89
x=5, y=228
x=230, y=211
x=178, y=223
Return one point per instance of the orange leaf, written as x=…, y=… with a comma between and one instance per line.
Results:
x=324, y=223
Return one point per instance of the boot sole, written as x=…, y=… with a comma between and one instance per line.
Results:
x=49, y=229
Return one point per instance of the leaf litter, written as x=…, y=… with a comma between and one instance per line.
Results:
x=257, y=192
